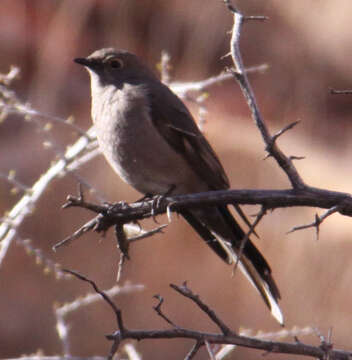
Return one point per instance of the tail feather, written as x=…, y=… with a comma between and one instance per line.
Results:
x=206, y=234
x=251, y=252
x=263, y=287
x=221, y=232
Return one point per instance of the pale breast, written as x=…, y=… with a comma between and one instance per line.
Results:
x=134, y=147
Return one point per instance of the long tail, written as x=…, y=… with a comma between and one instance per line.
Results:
x=221, y=232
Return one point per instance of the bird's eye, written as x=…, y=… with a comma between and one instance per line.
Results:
x=115, y=63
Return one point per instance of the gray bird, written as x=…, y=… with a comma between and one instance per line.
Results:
x=152, y=141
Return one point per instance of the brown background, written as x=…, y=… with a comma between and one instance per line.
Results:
x=308, y=47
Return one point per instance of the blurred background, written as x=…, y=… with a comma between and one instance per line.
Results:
x=307, y=46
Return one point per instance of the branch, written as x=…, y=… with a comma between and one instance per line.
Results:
x=61, y=312
x=185, y=291
x=23, y=207
x=240, y=75
x=183, y=88
x=340, y=92
x=158, y=310
x=318, y=220
x=202, y=338
x=122, y=213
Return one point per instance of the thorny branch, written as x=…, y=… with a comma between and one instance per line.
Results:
x=285, y=162
x=318, y=220
x=240, y=75
x=226, y=336
x=122, y=213
x=185, y=291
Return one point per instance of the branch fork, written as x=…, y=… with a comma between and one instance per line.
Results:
x=323, y=351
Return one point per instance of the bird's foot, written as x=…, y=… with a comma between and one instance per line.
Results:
x=157, y=199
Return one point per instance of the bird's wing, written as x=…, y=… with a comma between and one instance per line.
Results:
x=177, y=126
x=214, y=224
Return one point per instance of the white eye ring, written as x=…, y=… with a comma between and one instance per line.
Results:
x=115, y=63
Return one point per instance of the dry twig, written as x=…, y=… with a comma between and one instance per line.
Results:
x=226, y=336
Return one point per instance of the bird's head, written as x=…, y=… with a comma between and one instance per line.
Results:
x=111, y=66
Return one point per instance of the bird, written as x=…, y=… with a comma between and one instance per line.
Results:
x=152, y=141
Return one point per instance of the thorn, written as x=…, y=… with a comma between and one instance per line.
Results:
x=256, y=17
x=293, y=157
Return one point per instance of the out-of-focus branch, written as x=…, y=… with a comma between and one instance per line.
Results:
x=81, y=151
x=61, y=312
x=40, y=357
x=24, y=207
x=183, y=88
x=340, y=92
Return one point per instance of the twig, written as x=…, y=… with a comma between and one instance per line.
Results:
x=131, y=352
x=165, y=67
x=210, y=351
x=281, y=334
x=283, y=130
x=224, y=351
x=120, y=267
x=106, y=298
x=149, y=233
x=226, y=337
x=23, y=207
x=183, y=88
x=186, y=292
x=158, y=310
x=195, y=348
x=243, y=217
x=10, y=178
x=48, y=265
x=240, y=75
x=317, y=221
x=88, y=226
x=63, y=311
x=117, y=311
x=12, y=75
x=340, y=92
x=260, y=215
x=122, y=241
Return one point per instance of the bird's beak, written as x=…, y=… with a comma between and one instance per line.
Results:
x=89, y=63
